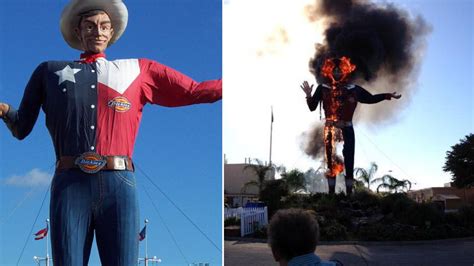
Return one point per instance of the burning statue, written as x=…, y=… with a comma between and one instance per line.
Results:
x=339, y=98
x=371, y=44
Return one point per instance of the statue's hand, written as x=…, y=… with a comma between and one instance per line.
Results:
x=3, y=109
x=395, y=95
x=306, y=88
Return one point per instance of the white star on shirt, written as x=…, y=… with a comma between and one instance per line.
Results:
x=67, y=74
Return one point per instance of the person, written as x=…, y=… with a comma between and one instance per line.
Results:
x=339, y=100
x=293, y=235
x=93, y=108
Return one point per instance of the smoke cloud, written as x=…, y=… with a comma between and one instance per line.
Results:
x=313, y=144
x=386, y=44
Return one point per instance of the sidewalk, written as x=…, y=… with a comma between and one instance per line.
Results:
x=456, y=252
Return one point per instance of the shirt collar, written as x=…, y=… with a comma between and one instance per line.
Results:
x=88, y=58
x=305, y=260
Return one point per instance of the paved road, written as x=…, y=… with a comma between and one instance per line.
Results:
x=456, y=252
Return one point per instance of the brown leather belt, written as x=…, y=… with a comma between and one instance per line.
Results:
x=92, y=162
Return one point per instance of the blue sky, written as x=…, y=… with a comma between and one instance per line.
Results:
x=279, y=41
x=179, y=148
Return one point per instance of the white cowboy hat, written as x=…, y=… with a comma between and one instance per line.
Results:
x=116, y=10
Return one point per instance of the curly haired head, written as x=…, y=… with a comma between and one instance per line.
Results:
x=292, y=233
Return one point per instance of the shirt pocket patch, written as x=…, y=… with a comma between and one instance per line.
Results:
x=120, y=104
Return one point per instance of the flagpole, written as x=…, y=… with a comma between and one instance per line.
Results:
x=47, y=241
x=271, y=135
x=146, y=245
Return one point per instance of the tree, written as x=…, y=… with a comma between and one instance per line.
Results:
x=367, y=175
x=392, y=184
x=315, y=180
x=295, y=180
x=460, y=162
x=261, y=170
x=272, y=194
x=359, y=186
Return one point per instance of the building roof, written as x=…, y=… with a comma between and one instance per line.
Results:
x=447, y=196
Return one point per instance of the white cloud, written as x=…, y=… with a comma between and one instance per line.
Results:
x=35, y=177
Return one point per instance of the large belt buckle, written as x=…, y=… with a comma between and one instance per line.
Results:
x=119, y=163
x=90, y=162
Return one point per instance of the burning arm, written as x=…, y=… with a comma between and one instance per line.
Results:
x=312, y=101
x=364, y=96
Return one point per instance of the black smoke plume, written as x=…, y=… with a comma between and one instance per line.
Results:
x=380, y=39
x=314, y=142
x=383, y=41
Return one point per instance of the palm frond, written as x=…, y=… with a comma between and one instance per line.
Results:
x=248, y=184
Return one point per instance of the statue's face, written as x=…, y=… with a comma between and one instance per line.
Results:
x=337, y=73
x=337, y=69
x=95, y=33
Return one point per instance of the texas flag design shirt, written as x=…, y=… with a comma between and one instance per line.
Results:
x=97, y=106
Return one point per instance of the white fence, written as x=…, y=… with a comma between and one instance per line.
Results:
x=251, y=219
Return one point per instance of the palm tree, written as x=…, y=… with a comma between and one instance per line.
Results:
x=315, y=179
x=261, y=171
x=393, y=184
x=294, y=179
x=367, y=175
x=359, y=185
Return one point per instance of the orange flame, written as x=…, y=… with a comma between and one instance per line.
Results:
x=338, y=166
x=332, y=135
x=345, y=66
x=327, y=69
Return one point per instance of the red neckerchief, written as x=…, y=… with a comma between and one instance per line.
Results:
x=88, y=58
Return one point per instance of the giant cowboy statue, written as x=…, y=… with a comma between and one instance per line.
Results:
x=339, y=99
x=93, y=109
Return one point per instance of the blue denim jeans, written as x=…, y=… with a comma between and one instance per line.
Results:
x=105, y=203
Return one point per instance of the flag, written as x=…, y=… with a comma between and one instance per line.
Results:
x=41, y=233
x=142, y=234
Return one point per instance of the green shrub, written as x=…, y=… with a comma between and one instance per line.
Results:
x=368, y=216
x=423, y=214
x=327, y=203
x=333, y=231
x=343, y=216
x=453, y=218
x=397, y=204
x=232, y=221
x=272, y=194
x=466, y=215
x=260, y=233
x=384, y=232
x=365, y=199
x=297, y=201
x=372, y=232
